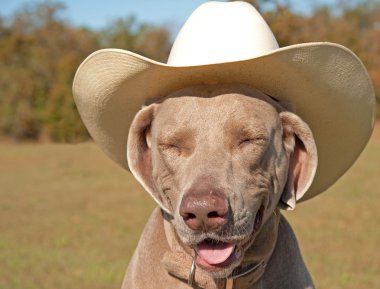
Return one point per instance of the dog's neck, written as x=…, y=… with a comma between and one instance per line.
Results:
x=178, y=260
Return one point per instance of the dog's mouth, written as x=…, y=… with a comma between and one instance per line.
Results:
x=215, y=255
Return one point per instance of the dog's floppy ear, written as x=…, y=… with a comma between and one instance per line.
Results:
x=299, y=143
x=139, y=153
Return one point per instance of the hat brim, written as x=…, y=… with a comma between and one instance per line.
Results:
x=325, y=82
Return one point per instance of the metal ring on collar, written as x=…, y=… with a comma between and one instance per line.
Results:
x=192, y=271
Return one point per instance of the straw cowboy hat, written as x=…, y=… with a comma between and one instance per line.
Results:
x=231, y=43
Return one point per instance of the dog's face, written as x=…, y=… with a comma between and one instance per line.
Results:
x=219, y=160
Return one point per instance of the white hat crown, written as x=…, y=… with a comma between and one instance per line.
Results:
x=219, y=32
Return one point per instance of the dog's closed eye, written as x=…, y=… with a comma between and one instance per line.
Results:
x=252, y=141
x=171, y=148
x=246, y=135
x=176, y=142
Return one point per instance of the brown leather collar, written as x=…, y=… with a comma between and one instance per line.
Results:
x=178, y=261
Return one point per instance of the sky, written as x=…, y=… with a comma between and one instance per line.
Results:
x=96, y=14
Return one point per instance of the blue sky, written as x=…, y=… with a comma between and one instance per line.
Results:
x=97, y=14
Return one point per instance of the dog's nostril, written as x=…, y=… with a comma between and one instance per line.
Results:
x=213, y=214
x=189, y=216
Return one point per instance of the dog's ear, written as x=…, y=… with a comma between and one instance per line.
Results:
x=299, y=144
x=139, y=153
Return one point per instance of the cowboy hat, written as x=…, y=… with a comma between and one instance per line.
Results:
x=231, y=43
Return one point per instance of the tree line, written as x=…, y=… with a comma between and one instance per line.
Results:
x=40, y=52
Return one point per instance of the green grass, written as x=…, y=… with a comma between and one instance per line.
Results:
x=70, y=218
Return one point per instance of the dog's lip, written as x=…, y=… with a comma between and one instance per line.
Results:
x=258, y=220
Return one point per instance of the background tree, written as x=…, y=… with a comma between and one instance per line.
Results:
x=39, y=54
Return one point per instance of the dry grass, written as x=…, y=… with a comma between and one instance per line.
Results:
x=70, y=218
x=339, y=231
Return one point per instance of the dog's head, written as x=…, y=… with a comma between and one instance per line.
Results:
x=219, y=160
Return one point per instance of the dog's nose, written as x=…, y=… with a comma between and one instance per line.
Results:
x=204, y=210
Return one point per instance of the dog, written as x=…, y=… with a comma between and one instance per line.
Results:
x=234, y=128
x=220, y=161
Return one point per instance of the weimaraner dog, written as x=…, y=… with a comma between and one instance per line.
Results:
x=221, y=161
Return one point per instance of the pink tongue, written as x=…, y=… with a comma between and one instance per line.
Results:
x=215, y=254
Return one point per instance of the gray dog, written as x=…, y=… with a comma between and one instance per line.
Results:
x=220, y=160
x=223, y=142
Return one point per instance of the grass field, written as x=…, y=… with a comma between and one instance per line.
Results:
x=70, y=218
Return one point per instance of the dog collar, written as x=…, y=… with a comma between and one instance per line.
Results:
x=242, y=272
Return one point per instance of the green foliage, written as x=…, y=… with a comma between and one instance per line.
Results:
x=39, y=54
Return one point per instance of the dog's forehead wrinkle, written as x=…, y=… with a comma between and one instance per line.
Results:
x=174, y=133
